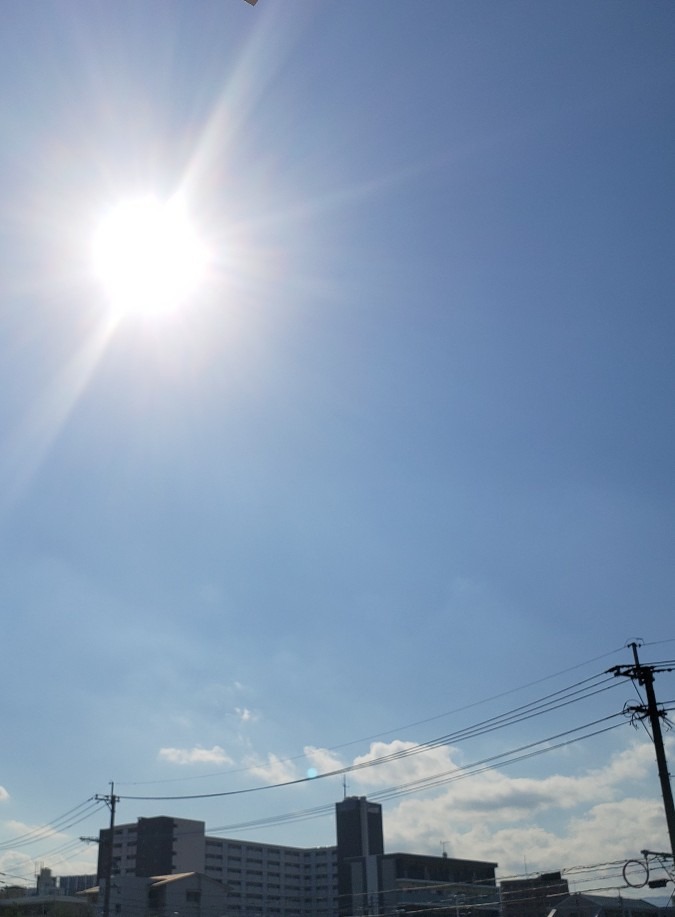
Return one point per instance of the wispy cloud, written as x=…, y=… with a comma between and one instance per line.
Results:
x=404, y=769
x=4, y=795
x=245, y=715
x=19, y=829
x=323, y=760
x=17, y=866
x=598, y=814
x=196, y=755
x=272, y=770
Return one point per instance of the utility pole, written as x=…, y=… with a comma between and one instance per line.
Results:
x=644, y=675
x=110, y=801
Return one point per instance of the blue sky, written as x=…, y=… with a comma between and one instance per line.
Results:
x=410, y=447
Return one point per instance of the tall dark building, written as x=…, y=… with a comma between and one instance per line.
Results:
x=374, y=884
x=156, y=846
x=359, y=835
x=359, y=827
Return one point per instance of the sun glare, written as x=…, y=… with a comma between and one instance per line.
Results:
x=148, y=257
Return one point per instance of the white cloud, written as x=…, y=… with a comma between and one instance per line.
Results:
x=323, y=760
x=403, y=769
x=4, y=795
x=196, y=755
x=606, y=833
x=494, y=792
x=245, y=715
x=18, y=868
x=599, y=815
x=273, y=770
x=19, y=829
x=592, y=816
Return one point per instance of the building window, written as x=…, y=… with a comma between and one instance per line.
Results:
x=193, y=897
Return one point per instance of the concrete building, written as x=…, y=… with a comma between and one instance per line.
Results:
x=152, y=847
x=355, y=877
x=262, y=880
x=535, y=896
x=360, y=844
x=406, y=883
x=373, y=883
x=187, y=894
x=45, y=882
x=72, y=885
x=580, y=905
x=438, y=885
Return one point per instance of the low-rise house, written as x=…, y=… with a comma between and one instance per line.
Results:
x=188, y=894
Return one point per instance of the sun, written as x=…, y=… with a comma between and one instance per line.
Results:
x=148, y=257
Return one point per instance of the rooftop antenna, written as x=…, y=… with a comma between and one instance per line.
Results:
x=444, y=844
x=344, y=786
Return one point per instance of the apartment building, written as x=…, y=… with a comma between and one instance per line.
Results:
x=260, y=880
x=440, y=885
x=360, y=845
x=355, y=877
x=534, y=896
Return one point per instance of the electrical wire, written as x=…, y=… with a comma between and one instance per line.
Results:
x=396, y=730
x=581, y=690
x=512, y=756
x=62, y=823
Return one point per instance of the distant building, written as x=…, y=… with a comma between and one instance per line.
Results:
x=185, y=894
x=153, y=847
x=373, y=883
x=46, y=882
x=438, y=885
x=49, y=897
x=14, y=891
x=72, y=885
x=351, y=879
x=579, y=905
x=265, y=880
x=535, y=896
x=360, y=842
x=33, y=905
x=406, y=883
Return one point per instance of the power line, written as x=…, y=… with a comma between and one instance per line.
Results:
x=510, y=757
x=396, y=729
x=62, y=823
x=579, y=691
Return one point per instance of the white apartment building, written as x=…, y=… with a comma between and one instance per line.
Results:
x=260, y=880
x=223, y=877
